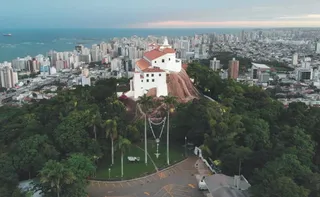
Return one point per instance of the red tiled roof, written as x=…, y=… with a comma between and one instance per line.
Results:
x=143, y=64
x=169, y=50
x=153, y=70
x=153, y=54
x=156, y=53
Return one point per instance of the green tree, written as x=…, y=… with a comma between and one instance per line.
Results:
x=124, y=145
x=56, y=175
x=282, y=186
x=257, y=134
x=82, y=167
x=112, y=133
x=31, y=153
x=95, y=119
x=132, y=133
x=145, y=102
x=233, y=156
x=8, y=177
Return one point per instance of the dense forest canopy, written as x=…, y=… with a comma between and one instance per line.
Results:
x=65, y=137
x=276, y=146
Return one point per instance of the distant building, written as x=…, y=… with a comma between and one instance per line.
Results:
x=95, y=53
x=8, y=77
x=304, y=74
x=318, y=48
x=85, y=58
x=259, y=72
x=53, y=70
x=233, y=71
x=45, y=70
x=223, y=74
x=295, y=59
x=185, y=44
x=85, y=72
x=306, y=63
x=215, y=64
x=83, y=80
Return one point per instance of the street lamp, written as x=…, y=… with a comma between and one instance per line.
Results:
x=185, y=146
x=109, y=172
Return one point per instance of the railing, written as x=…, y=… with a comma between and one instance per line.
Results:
x=198, y=152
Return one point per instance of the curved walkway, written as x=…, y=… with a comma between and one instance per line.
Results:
x=144, y=177
x=181, y=176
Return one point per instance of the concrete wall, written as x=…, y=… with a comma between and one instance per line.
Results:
x=170, y=63
x=148, y=81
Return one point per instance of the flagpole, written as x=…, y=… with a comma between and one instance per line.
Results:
x=145, y=139
x=168, y=161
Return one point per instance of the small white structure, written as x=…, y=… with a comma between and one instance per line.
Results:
x=53, y=70
x=151, y=71
x=83, y=80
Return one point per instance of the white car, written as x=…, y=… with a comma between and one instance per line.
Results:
x=202, y=184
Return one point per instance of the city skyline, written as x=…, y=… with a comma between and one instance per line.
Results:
x=167, y=14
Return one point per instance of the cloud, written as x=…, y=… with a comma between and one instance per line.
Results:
x=231, y=23
x=309, y=16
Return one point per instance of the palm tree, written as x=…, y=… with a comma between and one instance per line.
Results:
x=146, y=102
x=170, y=102
x=95, y=120
x=56, y=175
x=124, y=145
x=111, y=132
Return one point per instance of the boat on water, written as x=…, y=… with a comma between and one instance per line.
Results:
x=7, y=34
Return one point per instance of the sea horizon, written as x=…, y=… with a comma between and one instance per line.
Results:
x=34, y=41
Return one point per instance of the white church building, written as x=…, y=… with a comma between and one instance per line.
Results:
x=151, y=71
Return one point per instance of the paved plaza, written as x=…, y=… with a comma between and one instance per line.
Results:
x=176, y=181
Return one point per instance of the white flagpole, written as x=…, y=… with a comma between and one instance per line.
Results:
x=168, y=161
x=145, y=139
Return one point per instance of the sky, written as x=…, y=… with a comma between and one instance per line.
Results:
x=159, y=14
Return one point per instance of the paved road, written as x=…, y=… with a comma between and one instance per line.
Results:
x=177, y=181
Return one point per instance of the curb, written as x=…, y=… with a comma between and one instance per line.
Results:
x=136, y=179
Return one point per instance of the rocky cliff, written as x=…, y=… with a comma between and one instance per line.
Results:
x=180, y=86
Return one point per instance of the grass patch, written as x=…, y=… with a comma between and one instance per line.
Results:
x=177, y=153
x=130, y=169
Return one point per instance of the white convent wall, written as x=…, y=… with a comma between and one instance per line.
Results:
x=168, y=62
x=137, y=85
x=149, y=80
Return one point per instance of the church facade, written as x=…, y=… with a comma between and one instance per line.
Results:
x=151, y=71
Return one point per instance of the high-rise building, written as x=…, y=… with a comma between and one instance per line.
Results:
x=95, y=53
x=116, y=64
x=20, y=63
x=59, y=65
x=185, y=44
x=317, y=47
x=8, y=77
x=295, y=59
x=215, y=64
x=233, y=71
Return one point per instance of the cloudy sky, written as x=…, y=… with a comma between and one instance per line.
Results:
x=159, y=14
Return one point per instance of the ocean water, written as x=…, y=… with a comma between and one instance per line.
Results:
x=32, y=42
